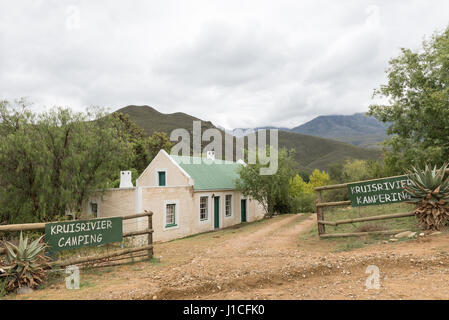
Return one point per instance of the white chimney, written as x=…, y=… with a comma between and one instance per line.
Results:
x=125, y=179
x=211, y=155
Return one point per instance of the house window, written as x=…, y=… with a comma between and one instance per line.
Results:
x=94, y=209
x=161, y=175
x=228, y=205
x=170, y=215
x=203, y=208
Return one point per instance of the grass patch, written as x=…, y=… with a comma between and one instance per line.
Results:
x=86, y=284
x=368, y=227
x=334, y=214
x=347, y=244
x=96, y=271
x=155, y=260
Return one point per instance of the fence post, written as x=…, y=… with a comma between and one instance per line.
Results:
x=320, y=215
x=150, y=234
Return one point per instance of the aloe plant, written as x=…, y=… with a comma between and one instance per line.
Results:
x=26, y=264
x=430, y=193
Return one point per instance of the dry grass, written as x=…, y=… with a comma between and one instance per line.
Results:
x=370, y=227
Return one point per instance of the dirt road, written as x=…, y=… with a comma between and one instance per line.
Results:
x=268, y=260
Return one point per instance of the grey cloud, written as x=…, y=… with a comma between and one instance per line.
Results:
x=221, y=55
x=237, y=64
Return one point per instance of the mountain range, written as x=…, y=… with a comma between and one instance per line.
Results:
x=312, y=151
x=357, y=129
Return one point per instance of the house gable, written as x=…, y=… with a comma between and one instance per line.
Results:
x=174, y=174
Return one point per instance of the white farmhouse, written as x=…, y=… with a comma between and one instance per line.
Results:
x=187, y=195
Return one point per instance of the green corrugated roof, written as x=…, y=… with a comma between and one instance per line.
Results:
x=215, y=175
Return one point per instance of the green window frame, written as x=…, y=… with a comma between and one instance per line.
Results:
x=228, y=205
x=162, y=177
x=170, y=215
x=204, y=201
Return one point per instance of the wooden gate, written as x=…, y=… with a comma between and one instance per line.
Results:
x=109, y=256
x=322, y=222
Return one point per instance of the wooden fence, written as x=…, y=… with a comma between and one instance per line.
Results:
x=322, y=222
x=106, y=257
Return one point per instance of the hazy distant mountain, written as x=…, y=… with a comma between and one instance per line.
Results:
x=311, y=152
x=357, y=129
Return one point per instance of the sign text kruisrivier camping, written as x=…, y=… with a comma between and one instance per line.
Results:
x=83, y=233
x=382, y=191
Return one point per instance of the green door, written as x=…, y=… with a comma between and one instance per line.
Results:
x=161, y=178
x=243, y=209
x=216, y=212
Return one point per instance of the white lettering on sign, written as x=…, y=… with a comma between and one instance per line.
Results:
x=386, y=186
x=80, y=240
x=81, y=226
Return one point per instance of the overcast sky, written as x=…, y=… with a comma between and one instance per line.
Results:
x=235, y=63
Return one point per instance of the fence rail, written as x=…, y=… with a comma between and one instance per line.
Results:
x=372, y=218
x=322, y=222
x=114, y=254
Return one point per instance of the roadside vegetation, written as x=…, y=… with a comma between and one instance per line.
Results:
x=347, y=244
x=52, y=161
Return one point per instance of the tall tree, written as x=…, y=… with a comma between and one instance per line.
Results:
x=157, y=142
x=417, y=105
x=52, y=161
x=268, y=190
x=127, y=130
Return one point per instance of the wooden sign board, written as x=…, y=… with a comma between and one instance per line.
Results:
x=83, y=233
x=381, y=191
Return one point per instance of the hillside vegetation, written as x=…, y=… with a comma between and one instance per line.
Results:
x=311, y=152
x=315, y=152
x=357, y=129
x=151, y=120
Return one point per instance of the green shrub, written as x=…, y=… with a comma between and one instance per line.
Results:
x=2, y=287
x=305, y=202
x=26, y=264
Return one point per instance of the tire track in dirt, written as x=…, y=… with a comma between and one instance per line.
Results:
x=281, y=234
x=336, y=278
x=243, y=256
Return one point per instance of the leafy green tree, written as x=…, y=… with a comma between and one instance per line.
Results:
x=52, y=161
x=129, y=131
x=417, y=105
x=270, y=190
x=319, y=178
x=302, y=195
x=157, y=142
x=144, y=148
x=355, y=170
x=305, y=202
x=335, y=171
x=298, y=186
